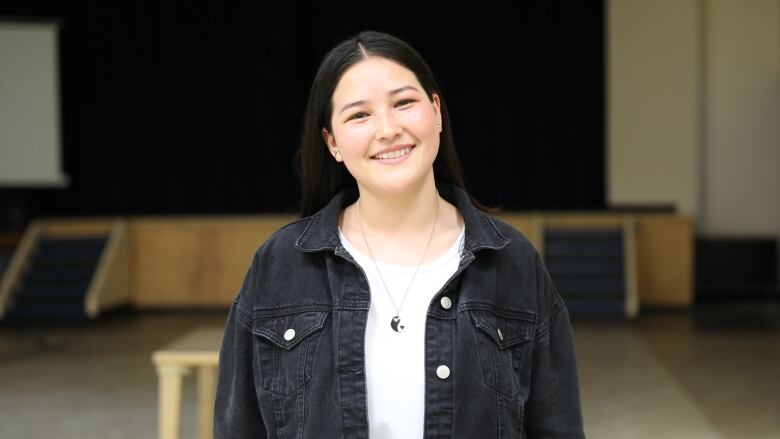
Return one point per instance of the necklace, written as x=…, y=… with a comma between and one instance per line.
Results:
x=395, y=322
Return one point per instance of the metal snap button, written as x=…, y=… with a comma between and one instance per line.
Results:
x=446, y=303
x=443, y=372
x=289, y=334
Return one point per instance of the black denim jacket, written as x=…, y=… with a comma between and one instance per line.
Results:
x=292, y=360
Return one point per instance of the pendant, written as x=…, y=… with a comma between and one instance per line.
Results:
x=396, y=324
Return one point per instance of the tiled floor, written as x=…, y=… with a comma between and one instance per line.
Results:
x=713, y=373
x=94, y=381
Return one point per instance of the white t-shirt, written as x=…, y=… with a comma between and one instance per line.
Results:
x=395, y=362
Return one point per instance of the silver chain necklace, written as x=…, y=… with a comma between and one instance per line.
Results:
x=395, y=322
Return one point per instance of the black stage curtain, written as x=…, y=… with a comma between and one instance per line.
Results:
x=172, y=108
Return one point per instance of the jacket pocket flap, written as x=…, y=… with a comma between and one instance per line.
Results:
x=287, y=330
x=505, y=331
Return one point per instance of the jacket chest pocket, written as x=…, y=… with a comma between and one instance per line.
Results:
x=503, y=345
x=285, y=348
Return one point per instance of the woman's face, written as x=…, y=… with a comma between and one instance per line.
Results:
x=384, y=126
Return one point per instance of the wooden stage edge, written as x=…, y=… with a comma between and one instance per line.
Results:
x=200, y=261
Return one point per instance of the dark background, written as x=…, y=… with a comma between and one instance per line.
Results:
x=171, y=108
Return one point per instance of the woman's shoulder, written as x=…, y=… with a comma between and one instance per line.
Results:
x=518, y=243
x=279, y=272
x=285, y=237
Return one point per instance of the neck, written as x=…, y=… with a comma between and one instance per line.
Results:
x=399, y=215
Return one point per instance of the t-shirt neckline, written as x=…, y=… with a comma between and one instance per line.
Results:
x=366, y=261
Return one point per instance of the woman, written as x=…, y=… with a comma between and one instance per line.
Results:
x=394, y=308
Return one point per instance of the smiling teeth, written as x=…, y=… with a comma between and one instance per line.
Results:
x=394, y=154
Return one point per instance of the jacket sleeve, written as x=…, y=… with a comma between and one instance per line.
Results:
x=553, y=406
x=236, y=411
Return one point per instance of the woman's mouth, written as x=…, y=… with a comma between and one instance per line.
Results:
x=394, y=156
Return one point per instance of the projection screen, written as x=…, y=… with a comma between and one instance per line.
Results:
x=30, y=150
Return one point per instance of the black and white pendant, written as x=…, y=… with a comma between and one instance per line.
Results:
x=396, y=324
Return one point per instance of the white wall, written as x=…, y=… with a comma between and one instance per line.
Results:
x=741, y=169
x=693, y=96
x=694, y=110
x=652, y=103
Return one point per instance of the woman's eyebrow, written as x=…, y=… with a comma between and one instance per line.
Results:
x=353, y=104
x=404, y=88
x=392, y=92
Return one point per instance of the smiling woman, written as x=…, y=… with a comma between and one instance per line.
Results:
x=385, y=118
x=396, y=307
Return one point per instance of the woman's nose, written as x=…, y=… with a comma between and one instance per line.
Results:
x=388, y=127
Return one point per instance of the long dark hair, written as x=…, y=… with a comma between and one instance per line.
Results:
x=321, y=177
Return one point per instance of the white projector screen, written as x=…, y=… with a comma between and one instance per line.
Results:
x=29, y=106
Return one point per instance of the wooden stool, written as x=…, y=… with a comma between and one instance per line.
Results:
x=199, y=350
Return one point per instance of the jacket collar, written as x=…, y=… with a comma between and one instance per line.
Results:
x=321, y=233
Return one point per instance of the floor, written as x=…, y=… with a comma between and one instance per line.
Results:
x=712, y=373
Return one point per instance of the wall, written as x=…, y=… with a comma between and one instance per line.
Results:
x=741, y=190
x=693, y=95
x=652, y=103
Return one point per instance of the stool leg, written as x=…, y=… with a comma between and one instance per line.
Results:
x=169, y=410
x=207, y=388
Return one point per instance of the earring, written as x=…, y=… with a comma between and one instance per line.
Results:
x=338, y=155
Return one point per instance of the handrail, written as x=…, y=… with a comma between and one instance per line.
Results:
x=109, y=284
x=13, y=275
x=631, y=266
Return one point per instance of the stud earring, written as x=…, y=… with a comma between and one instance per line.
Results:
x=338, y=155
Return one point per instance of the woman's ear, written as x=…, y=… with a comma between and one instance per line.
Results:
x=331, y=142
x=436, y=102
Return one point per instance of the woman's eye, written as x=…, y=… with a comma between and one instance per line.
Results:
x=403, y=102
x=357, y=116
